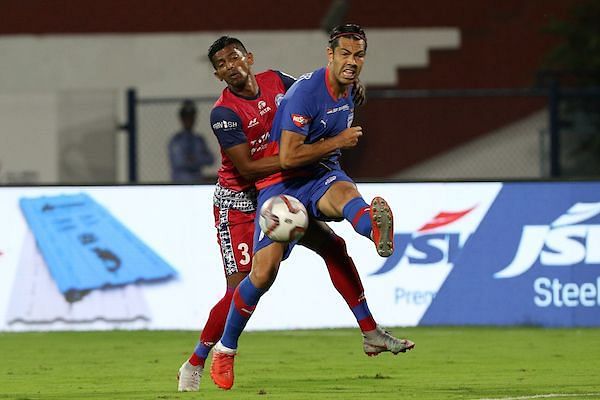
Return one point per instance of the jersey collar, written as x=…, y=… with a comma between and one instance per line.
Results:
x=330, y=89
x=244, y=97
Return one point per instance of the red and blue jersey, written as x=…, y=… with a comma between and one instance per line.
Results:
x=236, y=120
x=310, y=109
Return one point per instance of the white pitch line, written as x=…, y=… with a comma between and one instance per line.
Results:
x=543, y=396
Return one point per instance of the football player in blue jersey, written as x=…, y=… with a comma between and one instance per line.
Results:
x=312, y=125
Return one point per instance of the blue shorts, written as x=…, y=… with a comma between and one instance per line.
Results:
x=308, y=190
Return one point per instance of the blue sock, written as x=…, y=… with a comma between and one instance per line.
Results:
x=363, y=316
x=202, y=350
x=245, y=299
x=356, y=211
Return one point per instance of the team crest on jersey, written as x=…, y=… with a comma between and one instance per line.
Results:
x=300, y=120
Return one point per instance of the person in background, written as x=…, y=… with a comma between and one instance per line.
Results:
x=188, y=152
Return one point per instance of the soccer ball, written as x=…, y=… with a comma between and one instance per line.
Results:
x=283, y=218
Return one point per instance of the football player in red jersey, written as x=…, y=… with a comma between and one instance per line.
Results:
x=241, y=120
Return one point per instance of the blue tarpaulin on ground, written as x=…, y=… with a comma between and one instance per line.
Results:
x=85, y=247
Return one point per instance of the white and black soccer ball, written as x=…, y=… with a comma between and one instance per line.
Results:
x=283, y=218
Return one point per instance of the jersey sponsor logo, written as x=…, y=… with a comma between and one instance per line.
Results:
x=253, y=122
x=265, y=110
x=300, y=120
x=564, y=242
x=259, y=143
x=330, y=179
x=427, y=247
x=227, y=125
x=345, y=107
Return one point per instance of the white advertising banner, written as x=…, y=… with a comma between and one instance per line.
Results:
x=47, y=284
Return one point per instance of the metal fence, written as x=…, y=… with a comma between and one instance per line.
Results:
x=151, y=124
x=476, y=134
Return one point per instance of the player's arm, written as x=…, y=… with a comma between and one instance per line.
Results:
x=252, y=169
x=227, y=127
x=298, y=113
x=294, y=152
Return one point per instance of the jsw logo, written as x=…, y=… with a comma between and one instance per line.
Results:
x=423, y=248
x=562, y=243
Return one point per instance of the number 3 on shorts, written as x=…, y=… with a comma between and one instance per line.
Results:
x=243, y=247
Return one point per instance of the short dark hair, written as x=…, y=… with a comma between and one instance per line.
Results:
x=353, y=31
x=223, y=42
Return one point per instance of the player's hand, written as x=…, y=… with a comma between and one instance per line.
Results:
x=349, y=137
x=358, y=93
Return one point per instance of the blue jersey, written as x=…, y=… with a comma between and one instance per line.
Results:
x=310, y=109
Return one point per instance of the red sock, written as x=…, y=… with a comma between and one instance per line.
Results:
x=346, y=280
x=213, y=329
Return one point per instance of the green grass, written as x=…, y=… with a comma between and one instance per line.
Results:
x=448, y=363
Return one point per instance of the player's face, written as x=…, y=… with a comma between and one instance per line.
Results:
x=347, y=59
x=232, y=65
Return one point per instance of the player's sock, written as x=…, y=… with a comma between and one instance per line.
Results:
x=213, y=329
x=244, y=302
x=361, y=312
x=356, y=211
x=346, y=280
x=199, y=355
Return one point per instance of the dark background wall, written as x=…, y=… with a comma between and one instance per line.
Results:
x=502, y=46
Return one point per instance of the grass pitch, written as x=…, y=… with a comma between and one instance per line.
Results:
x=447, y=363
